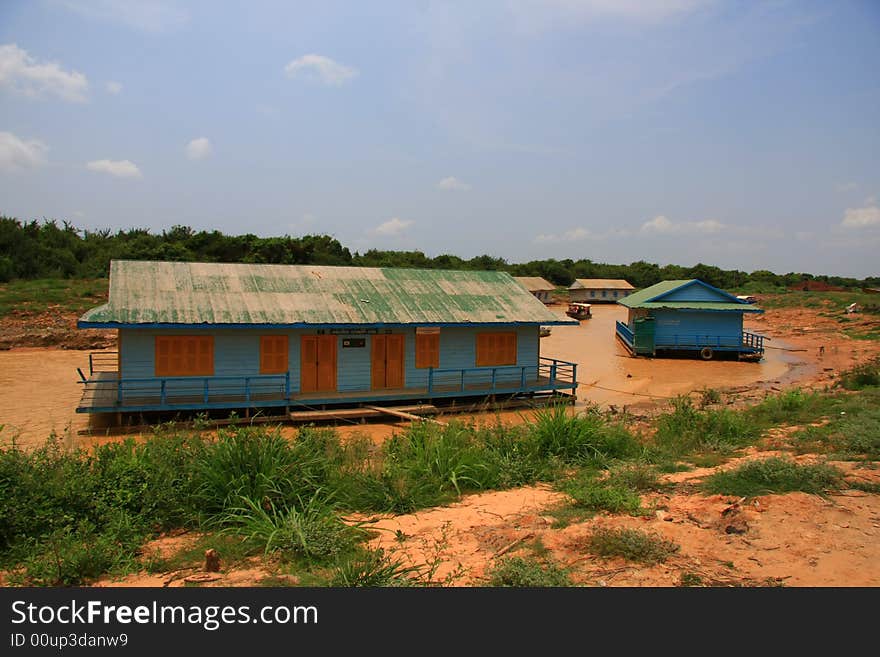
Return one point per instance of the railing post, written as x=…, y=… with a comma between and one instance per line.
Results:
x=118, y=391
x=430, y=380
x=247, y=389
x=462, y=381
x=494, y=377
x=574, y=375
x=553, y=373
x=287, y=384
x=162, y=392
x=206, y=390
x=91, y=366
x=522, y=378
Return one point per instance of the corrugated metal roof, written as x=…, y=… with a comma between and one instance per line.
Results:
x=600, y=284
x=535, y=283
x=641, y=298
x=146, y=292
x=700, y=305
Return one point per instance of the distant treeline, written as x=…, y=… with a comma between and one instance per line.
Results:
x=43, y=249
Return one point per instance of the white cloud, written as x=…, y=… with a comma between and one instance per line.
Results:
x=199, y=149
x=22, y=74
x=117, y=168
x=393, y=226
x=661, y=225
x=452, y=184
x=113, y=88
x=17, y=154
x=321, y=68
x=144, y=15
x=861, y=217
x=846, y=186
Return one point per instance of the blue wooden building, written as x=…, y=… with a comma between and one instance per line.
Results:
x=194, y=336
x=687, y=316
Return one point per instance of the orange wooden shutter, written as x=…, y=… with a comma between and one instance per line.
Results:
x=495, y=349
x=273, y=354
x=184, y=355
x=428, y=350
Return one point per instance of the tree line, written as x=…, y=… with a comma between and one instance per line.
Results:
x=45, y=249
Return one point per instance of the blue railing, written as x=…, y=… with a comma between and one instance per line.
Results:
x=105, y=391
x=549, y=373
x=625, y=332
x=103, y=361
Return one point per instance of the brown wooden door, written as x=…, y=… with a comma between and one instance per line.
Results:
x=318, y=363
x=387, y=361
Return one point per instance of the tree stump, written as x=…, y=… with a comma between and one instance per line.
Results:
x=212, y=561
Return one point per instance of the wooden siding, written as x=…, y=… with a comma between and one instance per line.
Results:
x=237, y=353
x=687, y=325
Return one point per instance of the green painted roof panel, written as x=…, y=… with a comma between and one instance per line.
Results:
x=151, y=292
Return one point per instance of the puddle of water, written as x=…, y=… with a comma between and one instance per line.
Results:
x=603, y=364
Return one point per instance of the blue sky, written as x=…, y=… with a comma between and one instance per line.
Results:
x=734, y=133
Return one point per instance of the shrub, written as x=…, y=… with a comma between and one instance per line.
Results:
x=520, y=572
x=773, y=475
x=632, y=545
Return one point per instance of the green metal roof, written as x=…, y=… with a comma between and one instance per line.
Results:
x=701, y=305
x=642, y=299
x=180, y=293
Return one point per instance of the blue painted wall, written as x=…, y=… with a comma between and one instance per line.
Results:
x=237, y=353
x=695, y=292
x=688, y=325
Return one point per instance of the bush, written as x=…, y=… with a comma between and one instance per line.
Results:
x=773, y=475
x=632, y=545
x=520, y=572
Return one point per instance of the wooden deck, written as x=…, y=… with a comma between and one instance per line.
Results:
x=104, y=392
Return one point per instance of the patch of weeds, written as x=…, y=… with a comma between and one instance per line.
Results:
x=790, y=407
x=590, y=493
x=632, y=545
x=686, y=429
x=690, y=579
x=636, y=476
x=374, y=568
x=527, y=573
x=773, y=475
x=708, y=397
x=309, y=529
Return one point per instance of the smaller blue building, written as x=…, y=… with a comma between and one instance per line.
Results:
x=687, y=316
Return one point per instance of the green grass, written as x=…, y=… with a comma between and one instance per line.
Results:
x=850, y=435
x=774, y=475
x=39, y=295
x=632, y=545
x=687, y=430
x=527, y=573
x=862, y=376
